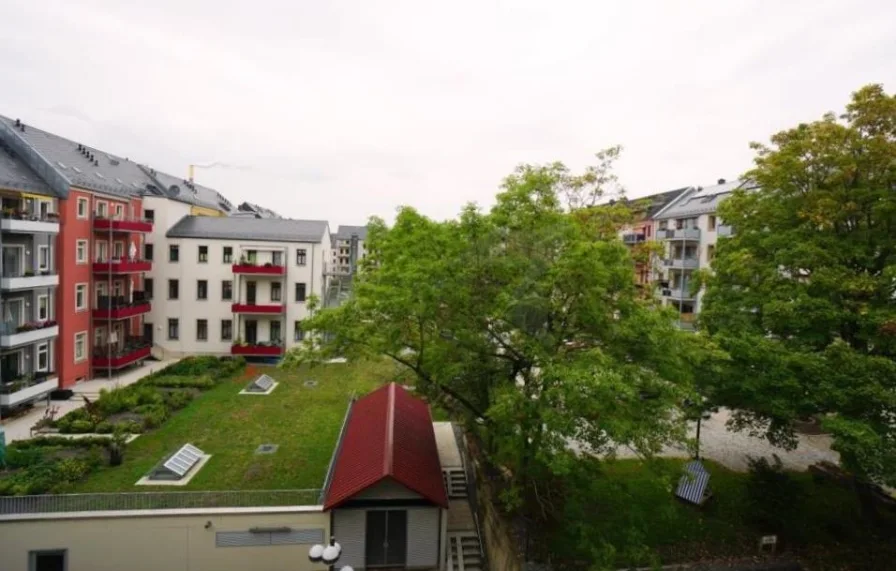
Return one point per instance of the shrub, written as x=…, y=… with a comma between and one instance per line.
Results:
x=178, y=399
x=153, y=415
x=104, y=427
x=24, y=457
x=81, y=427
x=180, y=382
x=59, y=441
x=130, y=426
x=774, y=498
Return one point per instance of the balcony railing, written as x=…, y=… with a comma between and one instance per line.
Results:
x=724, y=230
x=122, y=224
x=254, y=307
x=25, y=222
x=13, y=280
x=134, y=349
x=680, y=234
x=20, y=389
x=682, y=263
x=267, y=269
x=682, y=293
x=633, y=238
x=257, y=349
x=122, y=266
x=13, y=334
x=121, y=307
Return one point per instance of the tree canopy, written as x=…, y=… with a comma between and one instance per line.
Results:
x=523, y=320
x=803, y=296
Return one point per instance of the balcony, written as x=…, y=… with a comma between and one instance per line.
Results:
x=679, y=293
x=724, y=230
x=29, y=280
x=252, y=307
x=121, y=307
x=631, y=239
x=26, y=389
x=133, y=350
x=122, y=224
x=12, y=335
x=260, y=349
x=681, y=263
x=681, y=234
x=687, y=321
x=23, y=222
x=122, y=266
x=256, y=270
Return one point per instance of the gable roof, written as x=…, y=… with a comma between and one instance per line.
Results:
x=16, y=175
x=239, y=228
x=182, y=190
x=103, y=172
x=346, y=232
x=698, y=201
x=388, y=435
x=656, y=202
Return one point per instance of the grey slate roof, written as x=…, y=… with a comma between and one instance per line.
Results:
x=254, y=211
x=183, y=191
x=653, y=203
x=16, y=175
x=698, y=201
x=261, y=229
x=345, y=232
x=111, y=175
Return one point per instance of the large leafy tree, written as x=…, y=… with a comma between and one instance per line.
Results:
x=523, y=320
x=802, y=296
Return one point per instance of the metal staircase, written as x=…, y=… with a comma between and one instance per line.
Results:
x=463, y=551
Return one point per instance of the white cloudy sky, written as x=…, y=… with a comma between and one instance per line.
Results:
x=343, y=109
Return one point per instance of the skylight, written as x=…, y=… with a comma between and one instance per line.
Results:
x=183, y=460
x=98, y=174
x=61, y=165
x=263, y=385
x=76, y=169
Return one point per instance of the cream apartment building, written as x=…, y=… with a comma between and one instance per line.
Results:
x=235, y=285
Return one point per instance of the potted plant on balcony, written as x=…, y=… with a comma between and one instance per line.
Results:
x=22, y=214
x=26, y=327
x=8, y=212
x=52, y=217
x=28, y=273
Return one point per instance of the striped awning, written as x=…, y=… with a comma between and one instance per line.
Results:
x=693, y=482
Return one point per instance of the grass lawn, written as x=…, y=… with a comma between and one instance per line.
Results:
x=304, y=422
x=630, y=505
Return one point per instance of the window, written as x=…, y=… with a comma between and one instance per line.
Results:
x=149, y=214
x=300, y=292
x=43, y=357
x=252, y=256
x=275, y=331
x=82, y=208
x=148, y=287
x=43, y=258
x=226, y=290
x=55, y=560
x=228, y=254
x=173, y=329
x=201, y=289
x=276, y=292
x=43, y=307
x=99, y=336
x=173, y=253
x=298, y=333
x=202, y=330
x=712, y=222
x=118, y=250
x=80, y=297
x=81, y=252
x=102, y=209
x=226, y=330
x=118, y=288
x=102, y=251
x=710, y=252
x=148, y=252
x=301, y=257
x=119, y=212
x=277, y=258
x=80, y=346
x=203, y=254
x=173, y=289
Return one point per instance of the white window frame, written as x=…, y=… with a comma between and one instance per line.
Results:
x=82, y=336
x=42, y=348
x=118, y=250
x=82, y=213
x=40, y=255
x=117, y=288
x=99, y=336
x=47, y=316
x=21, y=303
x=119, y=212
x=78, y=245
x=102, y=251
x=83, y=306
x=102, y=208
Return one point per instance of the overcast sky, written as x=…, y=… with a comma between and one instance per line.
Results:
x=342, y=109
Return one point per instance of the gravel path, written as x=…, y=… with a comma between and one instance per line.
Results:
x=731, y=449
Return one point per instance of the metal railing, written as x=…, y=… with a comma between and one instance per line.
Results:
x=11, y=505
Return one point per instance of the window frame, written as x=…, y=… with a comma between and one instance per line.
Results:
x=174, y=249
x=45, y=348
x=228, y=297
x=279, y=289
x=301, y=257
x=198, y=329
x=35, y=553
x=41, y=248
x=711, y=222
x=227, y=254
x=298, y=333
x=102, y=205
x=149, y=214
x=175, y=322
x=230, y=336
x=86, y=245
x=149, y=251
x=83, y=357
x=202, y=257
x=84, y=292
x=149, y=286
x=176, y=283
x=45, y=296
x=200, y=295
x=304, y=290
x=85, y=214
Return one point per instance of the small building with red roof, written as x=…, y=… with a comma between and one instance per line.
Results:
x=385, y=489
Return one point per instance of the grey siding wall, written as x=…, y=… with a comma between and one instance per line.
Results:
x=423, y=537
x=349, y=529
x=387, y=490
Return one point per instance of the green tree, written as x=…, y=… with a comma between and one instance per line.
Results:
x=524, y=321
x=802, y=296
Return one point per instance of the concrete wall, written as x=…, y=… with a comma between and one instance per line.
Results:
x=143, y=541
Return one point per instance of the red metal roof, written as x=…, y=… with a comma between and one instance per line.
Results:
x=389, y=434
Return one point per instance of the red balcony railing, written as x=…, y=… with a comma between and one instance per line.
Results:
x=116, y=358
x=265, y=270
x=122, y=224
x=271, y=308
x=247, y=350
x=122, y=266
x=120, y=309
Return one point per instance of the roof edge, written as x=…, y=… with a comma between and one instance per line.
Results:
x=687, y=191
x=43, y=168
x=328, y=478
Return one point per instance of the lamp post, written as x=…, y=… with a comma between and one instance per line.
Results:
x=329, y=554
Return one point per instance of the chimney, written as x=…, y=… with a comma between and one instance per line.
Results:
x=18, y=123
x=721, y=181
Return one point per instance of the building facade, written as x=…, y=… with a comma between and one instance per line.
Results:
x=641, y=232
